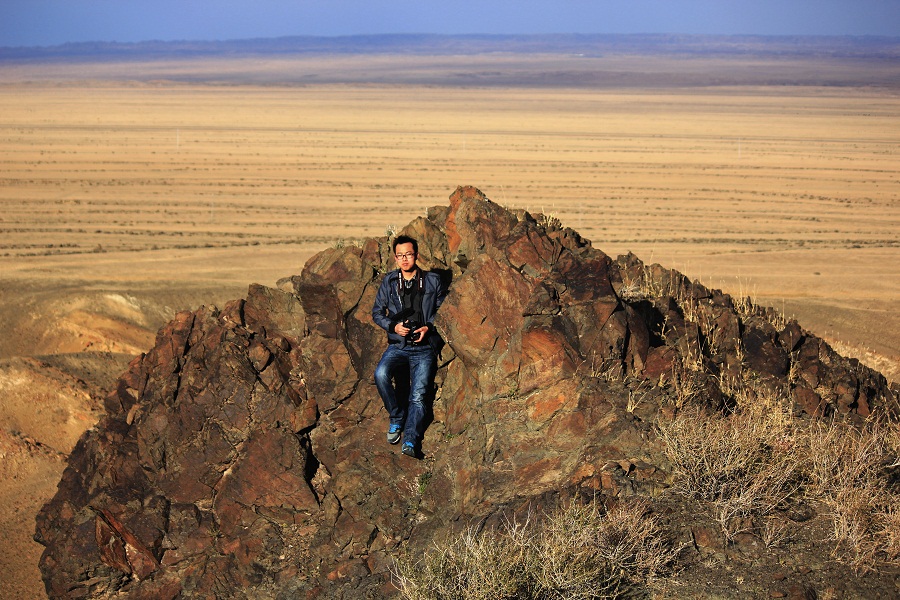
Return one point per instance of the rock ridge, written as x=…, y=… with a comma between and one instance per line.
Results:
x=243, y=456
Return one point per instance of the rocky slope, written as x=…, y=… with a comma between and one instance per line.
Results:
x=243, y=456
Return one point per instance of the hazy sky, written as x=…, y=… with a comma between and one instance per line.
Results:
x=50, y=22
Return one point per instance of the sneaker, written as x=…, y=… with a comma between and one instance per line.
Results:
x=408, y=449
x=393, y=434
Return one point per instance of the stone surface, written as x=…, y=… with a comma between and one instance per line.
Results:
x=243, y=456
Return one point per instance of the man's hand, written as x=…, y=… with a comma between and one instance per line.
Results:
x=403, y=330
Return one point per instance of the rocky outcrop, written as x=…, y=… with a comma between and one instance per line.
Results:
x=243, y=456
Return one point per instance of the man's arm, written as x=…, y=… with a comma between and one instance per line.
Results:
x=380, y=309
x=440, y=293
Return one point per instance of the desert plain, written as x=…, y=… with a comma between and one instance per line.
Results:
x=130, y=191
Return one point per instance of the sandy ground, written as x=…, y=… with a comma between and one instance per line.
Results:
x=123, y=203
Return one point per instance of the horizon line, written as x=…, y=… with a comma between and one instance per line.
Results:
x=648, y=34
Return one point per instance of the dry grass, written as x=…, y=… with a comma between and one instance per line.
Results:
x=742, y=465
x=748, y=465
x=850, y=470
x=577, y=552
x=686, y=384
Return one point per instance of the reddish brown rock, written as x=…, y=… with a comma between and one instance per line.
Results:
x=809, y=401
x=660, y=363
x=763, y=355
x=706, y=538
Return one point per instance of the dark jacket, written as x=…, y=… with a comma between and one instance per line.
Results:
x=389, y=303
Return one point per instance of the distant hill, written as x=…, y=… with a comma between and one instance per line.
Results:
x=428, y=44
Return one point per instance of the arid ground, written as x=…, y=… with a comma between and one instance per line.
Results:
x=125, y=199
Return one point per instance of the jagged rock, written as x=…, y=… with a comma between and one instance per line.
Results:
x=243, y=456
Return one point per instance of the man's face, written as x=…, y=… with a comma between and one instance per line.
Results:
x=405, y=257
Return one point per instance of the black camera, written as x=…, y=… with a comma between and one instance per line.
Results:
x=412, y=336
x=403, y=317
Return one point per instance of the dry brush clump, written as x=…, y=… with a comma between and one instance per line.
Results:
x=579, y=551
x=750, y=463
x=855, y=472
x=743, y=465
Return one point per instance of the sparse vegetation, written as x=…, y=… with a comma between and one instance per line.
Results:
x=637, y=395
x=741, y=465
x=578, y=551
x=549, y=221
x=750, y=464
x=850, y=469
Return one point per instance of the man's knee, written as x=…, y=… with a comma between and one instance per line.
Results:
x=419, y=395
x=382, y=373
x=417, y=402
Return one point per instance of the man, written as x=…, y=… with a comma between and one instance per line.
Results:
x=405, y=305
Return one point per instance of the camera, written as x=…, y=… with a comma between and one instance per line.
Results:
x=412, y=336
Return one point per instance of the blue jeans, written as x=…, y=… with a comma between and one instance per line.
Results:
x=419, y=363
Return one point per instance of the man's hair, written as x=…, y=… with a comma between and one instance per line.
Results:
x=405, y=239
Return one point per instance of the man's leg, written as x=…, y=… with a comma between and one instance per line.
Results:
x=392, y=359
x=422, y=364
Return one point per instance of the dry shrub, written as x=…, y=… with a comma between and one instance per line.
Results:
x=888, y=531
x=586, y=552
x=581, y=551
x=750, y=463
x=776, y=532
x=840, y=456
x=633, y=540
x=849, y=469
x=568, y=560
x=742, y=464
x=471, y=565
x=686, y=385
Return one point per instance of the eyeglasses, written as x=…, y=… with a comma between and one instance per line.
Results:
x=407, y=256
